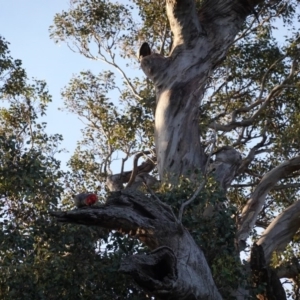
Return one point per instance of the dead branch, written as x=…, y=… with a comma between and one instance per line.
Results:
x=115, y=182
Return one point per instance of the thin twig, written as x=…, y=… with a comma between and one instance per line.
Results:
x=125, y=159
x=186, y=203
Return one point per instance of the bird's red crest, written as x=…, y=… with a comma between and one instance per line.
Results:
x=91, y=199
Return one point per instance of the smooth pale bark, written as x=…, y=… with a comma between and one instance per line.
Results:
x=200, y=43
x=176, y=269
x=257, y=200
x=281, y=231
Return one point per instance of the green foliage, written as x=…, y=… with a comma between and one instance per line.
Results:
x=14, y=83
x=109, y=111
x=210, y=219
x=153, y=17
x=106, y=123
x=39, y=258
x=91, y=19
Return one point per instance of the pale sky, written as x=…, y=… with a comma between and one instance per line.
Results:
x=25, y=24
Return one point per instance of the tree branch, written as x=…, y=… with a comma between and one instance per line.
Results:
x=135, y=168
x=186, y=203
x=115, y=182
x=281, y=231
x=276, y=91
x=256, y=202
x=176, y=268
x=184, y=21
x=199, y=189
x=289, y=269
x=251, y=155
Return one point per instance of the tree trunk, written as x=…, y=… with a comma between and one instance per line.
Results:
x=200, y=43
x=176, y=269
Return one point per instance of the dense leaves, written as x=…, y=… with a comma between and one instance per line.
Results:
x=40, y=259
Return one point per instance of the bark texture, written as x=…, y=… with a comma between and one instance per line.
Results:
x=281, y=231
x=176, y=269
x=200, y=43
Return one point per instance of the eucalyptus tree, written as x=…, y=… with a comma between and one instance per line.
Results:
x=216, y=121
